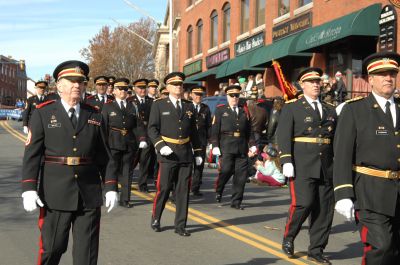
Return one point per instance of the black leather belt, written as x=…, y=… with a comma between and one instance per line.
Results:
x=68, y=160
x=234, y=134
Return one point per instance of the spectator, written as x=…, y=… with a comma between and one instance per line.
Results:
x=267, y=168
x=339, y=88
x=273, y=120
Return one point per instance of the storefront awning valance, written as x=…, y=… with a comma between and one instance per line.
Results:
x=203, y=75
x=360, y=23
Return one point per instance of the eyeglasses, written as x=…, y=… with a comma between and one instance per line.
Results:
x=122, y=88
x=234, y=95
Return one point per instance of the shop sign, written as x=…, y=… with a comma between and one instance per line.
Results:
x=217, y=58
x=249, y=44
x=387, y=29
x=295, y=25
x=192, y=68
x=324, y=36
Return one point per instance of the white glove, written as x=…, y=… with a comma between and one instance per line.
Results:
x=111, y=200
x=166, y=151
x=143, y=145
x=26, y=130
x=346, y=208
x=253, y=149
x=216, y=151
x=31, y=200
x=198, y=160
x=288, y=170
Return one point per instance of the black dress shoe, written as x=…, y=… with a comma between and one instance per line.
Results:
x=197, y=193
x=126, y=204
x=288, y=248
x=182, y=232
x=218, y=197
x=237, y=206
x=155, y=225
x=318, y=258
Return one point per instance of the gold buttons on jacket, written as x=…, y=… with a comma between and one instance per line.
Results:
x=76, y=176
x=74, y=137
x=398, y=146
x=396, y=133
x=74, y=149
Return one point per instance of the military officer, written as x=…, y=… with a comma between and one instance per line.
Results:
x=152, y=88
x=163, y=92
x=146, y=156
x=172, y=129
x=231, y=137
x=110, y=87
x=68, y=136
x=122, y=130
x=367, y=154
x=98, y=100
x=203, y=123
x=32, y=102
x=305, y=131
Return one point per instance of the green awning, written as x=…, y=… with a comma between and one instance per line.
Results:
x=203, y=75
x=360, y=23
x=237, y=65
x=273, y=51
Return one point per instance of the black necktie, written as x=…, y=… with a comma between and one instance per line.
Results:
x=102, y=99
x=178, y=108
x=197, y=109
x=317, y=110
x=388, y=112
x=235, y=110
x=73, y=119
x=122, y=106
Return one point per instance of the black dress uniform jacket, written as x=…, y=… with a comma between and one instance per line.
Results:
x=52, y=134
x=300, y=120
x=143, y=114
x=203, y=123
x=225, y=124
x=164, y=121
x=127, y=120
x=31, y=104
x=94, y=100
x=365, y=137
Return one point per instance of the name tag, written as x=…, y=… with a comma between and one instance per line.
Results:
x=225, y=114
x=308, y=119
x=97, y=123
x=54, y=125
x=165, y=113
x=382, y=132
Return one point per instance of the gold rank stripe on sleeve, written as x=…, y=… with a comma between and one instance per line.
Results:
x=285, y=155
x=158, y=142
x=343, y=186
x=199, y=149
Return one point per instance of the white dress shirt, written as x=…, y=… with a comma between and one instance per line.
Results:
x=310, y=101
x=173, y=100
x=77, y=108
x=382, y=103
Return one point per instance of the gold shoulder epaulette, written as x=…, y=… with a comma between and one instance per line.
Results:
x=354, y=99
x=330, y=104
x=291, y=101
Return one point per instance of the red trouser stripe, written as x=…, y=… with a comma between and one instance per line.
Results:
x=292, y=206
x=158, y=190
x=367, y=247
x=40, y=224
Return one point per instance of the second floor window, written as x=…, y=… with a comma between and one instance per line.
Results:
x=260, y=12
x=189, y=42
x=214, y=29
x=227, y=22
x=245, y=14
x=199, y=36
x=283, y=7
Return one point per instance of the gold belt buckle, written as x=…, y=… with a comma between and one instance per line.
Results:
x=124, y=132
x=320, y=140
x=236, y=134
x=73, y=161
x=393, y=175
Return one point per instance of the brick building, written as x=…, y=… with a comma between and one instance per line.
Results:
x=219, y=39
x=12, y=80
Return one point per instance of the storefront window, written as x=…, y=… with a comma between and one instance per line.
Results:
x=199, y=36
x=260, y=12
x=283, y=7
x=189, y=41
x=304, y=2
x=227, y=22
x=214, y=29
x=245, y=14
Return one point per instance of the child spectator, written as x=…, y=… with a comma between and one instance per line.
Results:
x=267, y=170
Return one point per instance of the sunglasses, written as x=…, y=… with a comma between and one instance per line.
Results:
x=123, y=88
x=234, y=95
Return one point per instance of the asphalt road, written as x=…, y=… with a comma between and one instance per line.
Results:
x=220, y=235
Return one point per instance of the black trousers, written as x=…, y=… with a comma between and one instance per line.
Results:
x=55, y=227
x=123, y=160
x=169, y=175
x=380, y=235
x=312, y=198
x=236, y=165
x=198, y=172
x=147, y=158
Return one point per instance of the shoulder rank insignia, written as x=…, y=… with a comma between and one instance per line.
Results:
x=291, y=101
x=45, y=103
x=330, y=104
x=354, y=99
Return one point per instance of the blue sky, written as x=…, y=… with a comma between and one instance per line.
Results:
x=47, y=32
